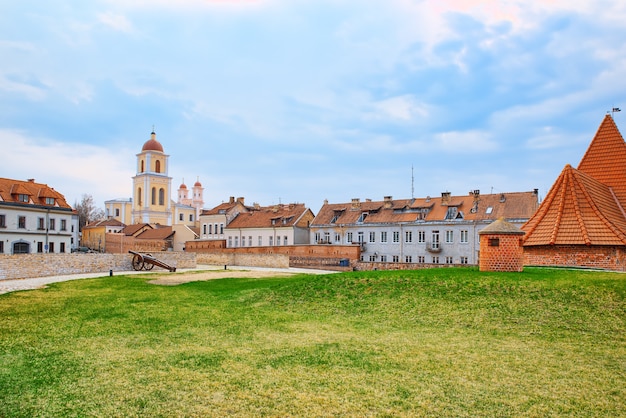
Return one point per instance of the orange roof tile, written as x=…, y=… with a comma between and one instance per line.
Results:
x=38, y=192
x=268, y=217
x=578, y=210
x=605, y=159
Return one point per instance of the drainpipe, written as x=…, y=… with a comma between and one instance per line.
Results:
x=47, y=228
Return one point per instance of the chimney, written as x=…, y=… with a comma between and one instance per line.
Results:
x=445, y=198
x=325, y=201
x=356, y=203
x=31, y=180
x=240, y=200
x=388, y=202
x=231, y=200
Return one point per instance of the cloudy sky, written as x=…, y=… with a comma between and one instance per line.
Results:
x=306, y=100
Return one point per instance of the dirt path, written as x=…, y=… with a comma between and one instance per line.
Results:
x=173, y=279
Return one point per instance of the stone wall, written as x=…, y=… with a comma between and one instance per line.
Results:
x=24, y=266
x=243, y=259
x=120, y=244
x=369, y=265
x=593, y=256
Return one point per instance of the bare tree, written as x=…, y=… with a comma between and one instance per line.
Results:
x=87, y=211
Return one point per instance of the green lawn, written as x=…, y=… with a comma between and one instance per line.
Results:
x=441, y=342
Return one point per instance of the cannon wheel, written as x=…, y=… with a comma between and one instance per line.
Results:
x=148, y=266
x=138, y=263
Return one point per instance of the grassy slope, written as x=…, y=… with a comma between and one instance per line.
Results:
x=446, y=342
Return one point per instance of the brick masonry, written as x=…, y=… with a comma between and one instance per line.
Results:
x=26, y=266
x=593, y=256
x=501, y=252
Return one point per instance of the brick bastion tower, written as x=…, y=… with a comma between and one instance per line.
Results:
x=501, y=247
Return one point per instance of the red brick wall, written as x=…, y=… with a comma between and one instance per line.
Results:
x=352, y=252
x=593, y=256
x=507, y=256
x=120, y=243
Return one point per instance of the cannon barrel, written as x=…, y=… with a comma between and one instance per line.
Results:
x=147, y=262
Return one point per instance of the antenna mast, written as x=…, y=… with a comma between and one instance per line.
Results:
x=412, y=183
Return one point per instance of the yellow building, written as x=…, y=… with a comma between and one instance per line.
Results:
x=151, y=202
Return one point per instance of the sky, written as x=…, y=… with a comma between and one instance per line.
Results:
x=283, y=101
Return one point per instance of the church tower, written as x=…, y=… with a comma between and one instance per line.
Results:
x=152, y=186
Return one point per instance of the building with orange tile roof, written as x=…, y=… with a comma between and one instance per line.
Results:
x=437, y=230
x=283, y=224
x=582, y=220
x=34, y=217
x=213, y=221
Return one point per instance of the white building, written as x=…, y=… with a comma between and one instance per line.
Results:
x=35, y=218
x=442, y=230
x=214, y=221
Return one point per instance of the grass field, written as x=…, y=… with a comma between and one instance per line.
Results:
x=442, y=342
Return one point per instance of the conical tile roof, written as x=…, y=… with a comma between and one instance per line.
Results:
x=578, y=210
x=605, y=159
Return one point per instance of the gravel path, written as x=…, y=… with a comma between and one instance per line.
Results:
x=7, y=286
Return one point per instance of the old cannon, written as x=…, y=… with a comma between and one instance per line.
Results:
x=147, y=262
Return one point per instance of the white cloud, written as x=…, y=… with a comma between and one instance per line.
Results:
x=469, y=141
x=404, y=108
x=71, y=169
x=116, y=22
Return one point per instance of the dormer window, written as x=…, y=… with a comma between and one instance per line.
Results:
x=332, y=221
x=489, y=210
x=49, y=200
x=22, y=198
x=362, y=217
x=452, y=212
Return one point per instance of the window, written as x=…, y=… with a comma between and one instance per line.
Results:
x=435, y=259
x=49, y=200
x=41, y=224
x=250, y=241
x=139, y=196
x=278, y=240
x=337, y=237
x=334, y=219
x=181, y=216
x=260, y=241
x=326, y=237
x=285, y=240
x=63, y=225
x=243, y=241
x=408, y=259
x=349, y=237
x=395, y=258
x=383, y=258
x=421, y=236
x=21, y=248
x=154, y=196
x=190, y=217
x=464, y=236
x=3, y=222
x=448, y=260
x=117, y=212
x=161, y=196
x=236, y=241
x=421, y=259
x=383, y=236
x=221, y=229
x=318, y=237
x=51, y=247
x=396, y=236
x=1, y=247
x=463, y=260
x=452, y=212
x=22, y=198
x=21, y=222
x=361, y=218
x=361, y=238
x=157, y=166
x=52, y=224
x=435, y=240
x=372, y=257
x=494, y=242
x=488, y=210
x=372, y=236
x=230, y=242
x=40, y=247
x=271, y=241
x=204, y=229
x=62, y=247
x=449, y=237
x=408, y=236
x=142, y=166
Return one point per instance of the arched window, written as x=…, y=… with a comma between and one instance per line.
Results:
x=142, y=166
x=161, y=197
x=157, y=166
x=21, y=247
x=154, y=195
x=139, y=196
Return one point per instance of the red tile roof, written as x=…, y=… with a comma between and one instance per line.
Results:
x=274, y=216
x=585, y=206
x=10, y=190
x=474, y=207
x=104, y=222
x=163, y=233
